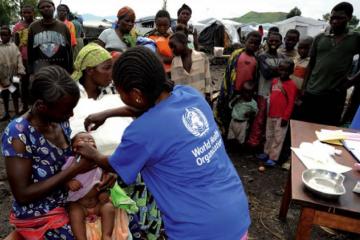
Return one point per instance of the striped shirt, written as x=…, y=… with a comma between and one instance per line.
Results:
x=199, y=76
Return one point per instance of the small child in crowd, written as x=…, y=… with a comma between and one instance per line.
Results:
x=161, y=35
x=291, y=39
x=184, y=29
x=302, y=62
x=10, y=65
x=244, y=108
x=268, y=63
x=86, y=200
x=190, y=67
x=282, y=100
x=242, y=67
x=20, y=32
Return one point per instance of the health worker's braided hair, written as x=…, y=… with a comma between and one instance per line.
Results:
x=140, y=68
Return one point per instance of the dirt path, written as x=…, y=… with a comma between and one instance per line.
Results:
x=263, y=191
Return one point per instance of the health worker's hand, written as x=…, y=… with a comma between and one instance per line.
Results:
x=93, y=121
x=87, y=151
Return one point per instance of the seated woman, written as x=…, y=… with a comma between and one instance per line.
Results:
x=35, y=147
x=93, y=68
x=124, y=35
x=161, y=35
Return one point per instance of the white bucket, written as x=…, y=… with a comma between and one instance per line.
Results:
x=218, y=51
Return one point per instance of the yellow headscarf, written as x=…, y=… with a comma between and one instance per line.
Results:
x=89, y=56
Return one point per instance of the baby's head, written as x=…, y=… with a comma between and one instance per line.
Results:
x=182, y=28
x=83, y=137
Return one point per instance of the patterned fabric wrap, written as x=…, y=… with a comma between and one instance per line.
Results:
x=35, y=228
x=147, y=221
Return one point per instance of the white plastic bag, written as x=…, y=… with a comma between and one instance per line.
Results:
x=108, y=136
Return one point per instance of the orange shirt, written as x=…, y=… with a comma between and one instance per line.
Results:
x=162, y=44
x=72, y=30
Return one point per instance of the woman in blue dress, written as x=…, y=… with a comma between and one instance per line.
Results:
x=35, y=147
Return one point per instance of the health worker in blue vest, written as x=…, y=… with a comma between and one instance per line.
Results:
x=177, y=147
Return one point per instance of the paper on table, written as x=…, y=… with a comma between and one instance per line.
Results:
x=336, y=136
x=330, y=136
x=319, y=156
x=353, y=147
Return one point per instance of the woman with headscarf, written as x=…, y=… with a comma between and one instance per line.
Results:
x=93, y=67
x=124, y=35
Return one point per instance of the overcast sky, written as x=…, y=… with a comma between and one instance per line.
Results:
x=207, y=8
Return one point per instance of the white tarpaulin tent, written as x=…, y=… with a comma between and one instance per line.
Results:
x=306, y=26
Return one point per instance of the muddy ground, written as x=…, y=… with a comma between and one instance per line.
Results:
x=264, y=191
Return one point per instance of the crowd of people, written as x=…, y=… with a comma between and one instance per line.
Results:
x=299, y=78
x=171, y=162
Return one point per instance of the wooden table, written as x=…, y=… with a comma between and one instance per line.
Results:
x=343, y=214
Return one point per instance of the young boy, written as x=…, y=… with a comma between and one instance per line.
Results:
x=20, y=32
x=244, y=108
x=10, y=66
x=190, y=67
x=291, y=39
x=302, y=62
x=242, y=67
x=161, y=35
x=282, y=100
x=268, y=63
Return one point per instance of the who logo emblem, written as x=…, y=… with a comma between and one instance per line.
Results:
x=195, y=121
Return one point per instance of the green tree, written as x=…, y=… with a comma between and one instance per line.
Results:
x=7, y=11
x=354, y=21
x=294, y=12
x=10, y=10
x=326, y=17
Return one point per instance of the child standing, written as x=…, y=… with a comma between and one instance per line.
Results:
x=291, y=39
x=242, y=67
x=10, y=66
x=268, y=63
x=282, y=100
x=190, y=67
x=302, y=62
x=161, y=35
x=21, y=31
x=244, y=108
